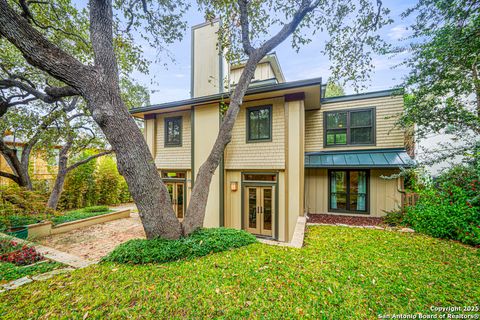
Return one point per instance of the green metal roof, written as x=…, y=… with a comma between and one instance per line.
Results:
x=376, y=158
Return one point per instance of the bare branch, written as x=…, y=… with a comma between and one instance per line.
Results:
x=40, y=52
x=51, y=94
x=79, y=163
x=10, y=176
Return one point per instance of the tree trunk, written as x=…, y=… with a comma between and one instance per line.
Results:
x=20, y=175
x=195, y=214
x=60, y=178
x=57, y=189
x=99, y=86
x=135, y=163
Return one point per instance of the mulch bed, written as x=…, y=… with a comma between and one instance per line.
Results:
x=349, y=220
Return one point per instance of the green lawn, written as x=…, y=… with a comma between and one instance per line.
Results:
x=341, y=273
x=9, y=271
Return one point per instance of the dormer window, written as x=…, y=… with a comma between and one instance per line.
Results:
x=349, y=127
x=173, y=132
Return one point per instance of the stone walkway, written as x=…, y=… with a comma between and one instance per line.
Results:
x=93, y=242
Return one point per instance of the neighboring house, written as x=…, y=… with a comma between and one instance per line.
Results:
x=292, y=152
x=41, y=169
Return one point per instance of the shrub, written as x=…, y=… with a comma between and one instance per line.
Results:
x=7, y=245
x=96, y=209
x=79, y=189
x=198, y=244
x=20, y=207
x=393, y=218
x=107, y=181
x=23, y=257
x=450, y=208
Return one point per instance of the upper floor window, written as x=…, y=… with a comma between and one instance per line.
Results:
x=173, y=132
x=353, y=127
x=259, y=124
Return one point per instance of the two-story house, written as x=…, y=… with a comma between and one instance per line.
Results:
x=293, y=152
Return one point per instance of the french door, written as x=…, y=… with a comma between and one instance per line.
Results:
x=177, y=196
x=259, y=210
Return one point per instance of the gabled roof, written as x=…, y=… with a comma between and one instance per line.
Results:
x=373, y=158
x=270, y=58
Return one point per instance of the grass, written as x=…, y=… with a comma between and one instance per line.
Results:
x=340, y=273
x=198, y=244
x=9, y=271
x=80, y=214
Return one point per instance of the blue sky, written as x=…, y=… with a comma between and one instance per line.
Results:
x=170, y=81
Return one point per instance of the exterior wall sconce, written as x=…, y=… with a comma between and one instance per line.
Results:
x=234, y=186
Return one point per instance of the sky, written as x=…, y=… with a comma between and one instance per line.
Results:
x=170, y=80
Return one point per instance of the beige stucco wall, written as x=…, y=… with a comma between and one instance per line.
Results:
x=387, y=111
x=172, y=157
x=263, y=71
x=207, y=123
x=384, y=193
x=295, y=111
x=258, y=155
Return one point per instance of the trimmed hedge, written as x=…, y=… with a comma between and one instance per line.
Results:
x=198, y=244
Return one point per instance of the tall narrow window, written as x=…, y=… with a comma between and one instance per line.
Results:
x=348, y=191
x=355, y=127
x=259, y=124
x=173, y=132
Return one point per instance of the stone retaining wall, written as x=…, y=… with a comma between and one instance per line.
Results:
x=47, y=228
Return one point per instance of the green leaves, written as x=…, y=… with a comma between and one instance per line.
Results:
x=198, y=244
x=443, y=82
x=347, y=29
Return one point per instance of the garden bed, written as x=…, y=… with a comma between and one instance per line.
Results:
x=19, y=260
x=348, y=220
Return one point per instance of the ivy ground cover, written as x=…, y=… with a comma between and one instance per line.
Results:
x=340, y=273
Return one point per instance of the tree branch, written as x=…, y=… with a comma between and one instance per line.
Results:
x=305, y=8
x=52, y=94
x=79, y=163
x=40, y=52
x=244, y=22
x=10, y=176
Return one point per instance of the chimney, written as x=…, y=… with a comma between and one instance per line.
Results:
x=210, y=69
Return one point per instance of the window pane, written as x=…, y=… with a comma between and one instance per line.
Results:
x=336, y=120
x=361, y=118
x=341, y=137
x=330, y=138
x=361, y=135
x=173, y=131
x=259, y=124
x=358, y=190
x=338, y=190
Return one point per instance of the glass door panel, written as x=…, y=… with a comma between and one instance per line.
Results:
x=179, y=201
x=267, y=211
x=252, y=210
